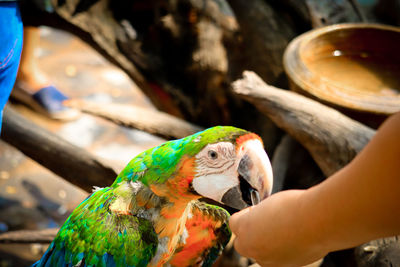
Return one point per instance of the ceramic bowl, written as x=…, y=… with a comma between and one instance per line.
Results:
x=352, y=66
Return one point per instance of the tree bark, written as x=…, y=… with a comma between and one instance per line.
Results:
x=332, y=139
x=173, y=50
x=265, y=36
x=330, y=12
x=61, y=157
x=182, y=54
x=280, y=162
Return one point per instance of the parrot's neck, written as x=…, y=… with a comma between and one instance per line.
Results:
x=171, y=219
x=168, y=213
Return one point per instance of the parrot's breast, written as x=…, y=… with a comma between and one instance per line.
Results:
x=207, y=228
x=171, y=230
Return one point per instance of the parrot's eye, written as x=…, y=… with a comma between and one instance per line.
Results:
x=212, y=154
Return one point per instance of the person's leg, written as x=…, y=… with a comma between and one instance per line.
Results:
x=10, y=49
x=33, y=87
x=29, y=70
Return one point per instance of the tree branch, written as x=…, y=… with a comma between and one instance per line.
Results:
x=29, y=236
x=151, y=121
x=61, y=157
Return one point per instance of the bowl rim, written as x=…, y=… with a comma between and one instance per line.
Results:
x=369, y=102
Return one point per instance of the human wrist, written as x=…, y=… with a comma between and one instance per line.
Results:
x=313, y=218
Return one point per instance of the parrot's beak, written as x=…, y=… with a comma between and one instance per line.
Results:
x=255, y=177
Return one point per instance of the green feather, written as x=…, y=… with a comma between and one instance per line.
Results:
x=91, y=232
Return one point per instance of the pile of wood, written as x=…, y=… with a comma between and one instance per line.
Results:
x=190, y=58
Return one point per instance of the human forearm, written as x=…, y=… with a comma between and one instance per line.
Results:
x=360, y=202
x=357, y=204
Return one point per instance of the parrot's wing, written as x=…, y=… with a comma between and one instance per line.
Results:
x=222, y=235
x=95, y=236
x=208, y=234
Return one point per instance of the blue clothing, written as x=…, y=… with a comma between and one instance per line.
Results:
x=11, y=33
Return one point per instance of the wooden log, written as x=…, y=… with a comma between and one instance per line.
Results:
x=61, y=157
x=296, y=11
x=280, y=161
x=294, y=172
x=184, y=54
x=117, y=40
x=173, y=50
x=29, y=236
x=332, y=139
x=265, y=37
x=151, y=121
x=329, y=12
x=310, y=14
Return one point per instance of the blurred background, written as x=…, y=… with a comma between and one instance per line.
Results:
x=32, y=197
x=176, y=57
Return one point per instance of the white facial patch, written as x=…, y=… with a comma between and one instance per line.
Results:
x=216, y=170
x=214, y=186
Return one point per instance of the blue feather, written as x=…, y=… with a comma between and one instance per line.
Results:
x=110, y=261
x=60, y=261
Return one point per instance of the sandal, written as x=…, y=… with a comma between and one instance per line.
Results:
x=47, y=100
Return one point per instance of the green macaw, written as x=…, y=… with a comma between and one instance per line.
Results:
x=154, y=214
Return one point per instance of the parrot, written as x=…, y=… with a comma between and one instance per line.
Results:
x=167, y=207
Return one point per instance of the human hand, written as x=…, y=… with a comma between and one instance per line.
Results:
x=274, y=232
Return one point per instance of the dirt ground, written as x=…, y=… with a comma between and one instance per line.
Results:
x=31, y=197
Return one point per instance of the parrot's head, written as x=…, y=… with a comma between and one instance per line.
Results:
x=232, y=167
x=223, y=163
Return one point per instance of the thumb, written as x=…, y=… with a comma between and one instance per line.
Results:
x=238, y=219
